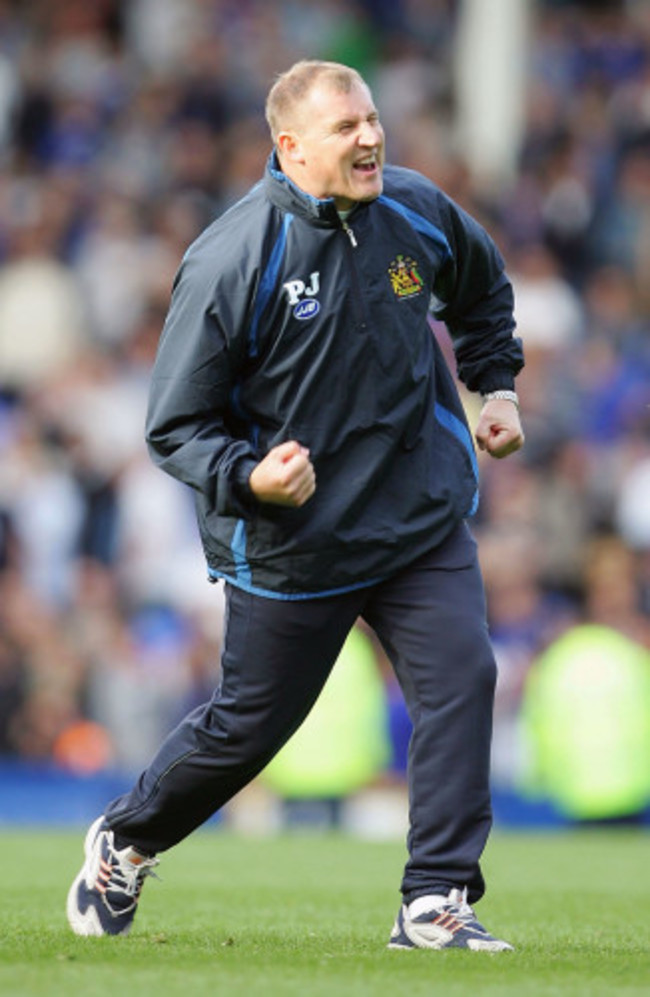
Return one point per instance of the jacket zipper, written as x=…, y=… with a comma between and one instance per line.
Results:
x=350, y=234
x=356, y=286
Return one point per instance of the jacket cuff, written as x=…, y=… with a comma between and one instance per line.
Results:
x=497, y=380
x=240, y=481
x=234, y=495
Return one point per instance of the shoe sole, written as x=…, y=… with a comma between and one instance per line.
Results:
x=472, y=946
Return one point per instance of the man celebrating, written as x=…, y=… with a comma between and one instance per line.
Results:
x=299, y=391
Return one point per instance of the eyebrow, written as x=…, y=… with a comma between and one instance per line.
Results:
x=354, y=120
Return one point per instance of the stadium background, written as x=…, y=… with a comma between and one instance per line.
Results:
x=124, y=128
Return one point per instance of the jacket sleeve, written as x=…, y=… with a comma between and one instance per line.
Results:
x=192, y=380
x=477, y=305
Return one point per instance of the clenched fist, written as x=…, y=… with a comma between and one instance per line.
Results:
x=285, y=476
x=499, y=430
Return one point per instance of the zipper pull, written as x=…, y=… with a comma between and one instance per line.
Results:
x=349, y=232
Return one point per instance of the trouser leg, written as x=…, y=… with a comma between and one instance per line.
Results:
x=277, y=656
x=431, y=620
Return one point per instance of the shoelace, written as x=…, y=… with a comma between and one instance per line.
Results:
x=127, y=877
x=457, y=905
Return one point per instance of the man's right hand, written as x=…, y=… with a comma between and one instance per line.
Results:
x=285, y=476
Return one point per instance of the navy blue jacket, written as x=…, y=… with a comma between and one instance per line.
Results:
x=286, y=323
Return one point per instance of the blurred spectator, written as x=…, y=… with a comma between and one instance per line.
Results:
x=549, y=312
x=612, y=593
x=633, y=506
x=586, y=725
x=41, y=308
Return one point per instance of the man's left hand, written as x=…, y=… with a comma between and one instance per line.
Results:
x=499, y=430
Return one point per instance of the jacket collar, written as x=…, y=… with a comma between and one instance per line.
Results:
x=287, y=196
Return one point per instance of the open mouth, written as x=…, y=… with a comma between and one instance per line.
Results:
x=366, y=166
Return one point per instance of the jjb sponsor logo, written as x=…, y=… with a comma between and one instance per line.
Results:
x=306, y=309
x=303, y=297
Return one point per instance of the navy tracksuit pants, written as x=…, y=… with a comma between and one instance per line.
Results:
x=277, y=655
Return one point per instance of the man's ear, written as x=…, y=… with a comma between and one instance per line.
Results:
x=289, y=147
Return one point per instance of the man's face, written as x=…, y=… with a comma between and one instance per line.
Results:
x=337, y=146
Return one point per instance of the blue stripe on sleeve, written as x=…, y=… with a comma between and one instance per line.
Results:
x=420, y=223
x=267, y=283
x=461, y=432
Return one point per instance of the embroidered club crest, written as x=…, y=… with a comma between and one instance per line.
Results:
x=404, y=277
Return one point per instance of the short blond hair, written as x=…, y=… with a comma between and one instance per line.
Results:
x=291, y=88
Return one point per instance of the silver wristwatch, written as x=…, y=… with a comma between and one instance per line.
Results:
x=501, y=395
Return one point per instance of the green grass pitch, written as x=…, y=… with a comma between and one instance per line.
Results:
x=310, y=914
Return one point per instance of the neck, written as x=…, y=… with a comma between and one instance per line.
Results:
x=342, y=204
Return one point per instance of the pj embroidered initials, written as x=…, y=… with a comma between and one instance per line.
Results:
x=296, y=288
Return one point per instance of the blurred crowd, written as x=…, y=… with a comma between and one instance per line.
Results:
x=125, y=127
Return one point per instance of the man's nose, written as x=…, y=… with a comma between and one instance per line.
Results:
x=369, y=133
